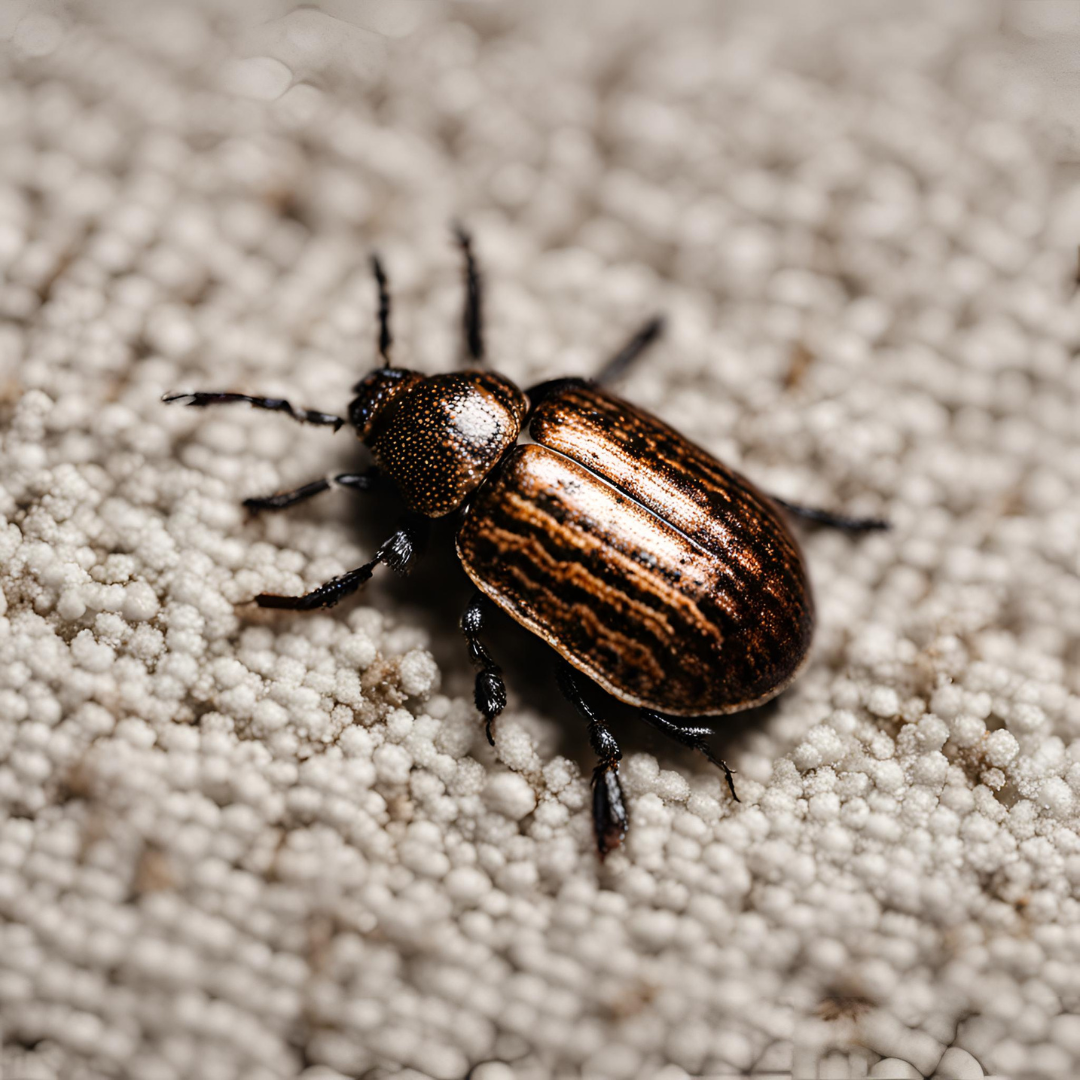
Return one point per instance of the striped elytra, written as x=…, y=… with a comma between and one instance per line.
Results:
x=666, y=577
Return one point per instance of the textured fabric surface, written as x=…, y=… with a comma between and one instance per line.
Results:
x=236, y=843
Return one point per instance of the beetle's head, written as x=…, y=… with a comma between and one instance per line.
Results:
x=378, y=395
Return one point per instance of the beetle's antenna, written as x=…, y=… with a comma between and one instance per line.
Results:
x=385, y=339
x=473, y=314
x=618, y=365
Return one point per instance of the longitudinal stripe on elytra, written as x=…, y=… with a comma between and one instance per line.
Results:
x=593, y=420
x=574, y=604
x=648, y=583
x=581, y=424
x=617, y=568
x=572, y=574
x=593, y=633
x=575, y=573
x=612, y=568
x=556, y=602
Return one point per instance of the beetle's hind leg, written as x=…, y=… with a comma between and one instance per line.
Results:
x=201, y=399
x=397, y=552
x=691, y=735
x=490, y=692
x=284, y=499
x=827, y=517
x=610, y=819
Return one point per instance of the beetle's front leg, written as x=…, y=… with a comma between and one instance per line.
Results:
x=202, y=398
x=827, y=517
x=397, y=552
x=692, y=735
x=610, y=819
x=490, y=692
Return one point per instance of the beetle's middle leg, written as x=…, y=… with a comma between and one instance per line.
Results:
x=687, y=733
x=610, y=819
x=490, y=692
x=283, y=499
x=397, y=552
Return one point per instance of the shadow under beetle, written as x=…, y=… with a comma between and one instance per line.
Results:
x=661, y=574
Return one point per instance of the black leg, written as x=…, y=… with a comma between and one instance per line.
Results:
x=284, y=499
x=610, y=819
x=397, y=552
x=688, y=733
x=826, y=517
x=473, y=316
x=490, y=692
x=304, y=416
x=385, y=340
x=620, y=363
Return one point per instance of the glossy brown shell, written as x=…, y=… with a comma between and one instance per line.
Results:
x=650, y=566
x=440, y=436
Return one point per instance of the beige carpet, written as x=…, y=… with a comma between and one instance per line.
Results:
x=235, y=844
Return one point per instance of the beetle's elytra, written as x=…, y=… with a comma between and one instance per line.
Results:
x=648, y=566
x=644, y=562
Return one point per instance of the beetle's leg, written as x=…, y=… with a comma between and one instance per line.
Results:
x=490, y=692
x=620, y=363
x=609, y=806
x=472, y=318
x=283, y=499
x=304, y=416
x=692, y=735
x=397, y=552
x=827, y=517
x=385, y=340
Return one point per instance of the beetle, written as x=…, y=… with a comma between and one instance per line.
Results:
x=652, y=569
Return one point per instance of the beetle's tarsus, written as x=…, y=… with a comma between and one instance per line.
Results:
x=490, y=697
x=692, y=735
x=610, y=819
x=397, y=552
x=834, y=521
x=201, y=399
x=333, y=592
x=490, y=690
